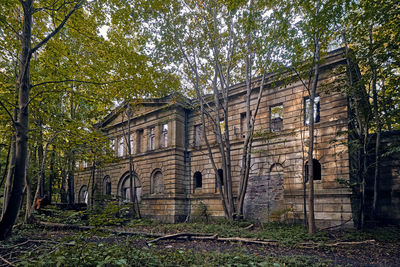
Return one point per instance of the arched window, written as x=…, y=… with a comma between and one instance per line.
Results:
x=157, y=182
x=316, y=168
x=125, y=187
x=83, y=195
x=107, y=185
x=198, y=180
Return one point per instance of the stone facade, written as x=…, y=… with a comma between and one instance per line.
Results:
x=176, y=175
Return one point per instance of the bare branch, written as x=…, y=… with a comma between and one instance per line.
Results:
x=77, y=81
x=8, y=112
x=56, y=30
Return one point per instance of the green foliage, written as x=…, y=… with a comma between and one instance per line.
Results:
x=200, y=213
x=110, y=214
x=81, y=253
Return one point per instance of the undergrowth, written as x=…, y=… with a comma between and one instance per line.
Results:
x=80, y=253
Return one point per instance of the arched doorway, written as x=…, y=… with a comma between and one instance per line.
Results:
x=83, y=196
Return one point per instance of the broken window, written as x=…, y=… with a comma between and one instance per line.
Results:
x=112, y=145
x=243, y=124
x=198, y=135
x=222, y=125
x=152, y=138
x=198, y=180
x=126, y=188
x=164, y=135
x=121, y=147
x=131, y=144
x=316, y=168
x=307, y=110
x=276, y=119
x=157, y=182
x=219, y=178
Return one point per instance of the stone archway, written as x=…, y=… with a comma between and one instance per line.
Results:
x=124, y=188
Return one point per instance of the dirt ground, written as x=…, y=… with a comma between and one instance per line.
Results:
x=376, y=254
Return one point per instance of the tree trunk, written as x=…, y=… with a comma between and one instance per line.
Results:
x=3, y=177
x=93, y=188
x=52, y=175
x=28, y=186
x=311, y=218
x=10, y=175
x=378, y=132
x=21, y=125
x=70, y=181
x=42, y=165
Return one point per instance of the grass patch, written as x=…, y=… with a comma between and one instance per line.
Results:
x=80, y=253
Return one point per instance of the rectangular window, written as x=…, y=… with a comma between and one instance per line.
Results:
x=152, y=138
x=198, y=135
x=121, y=147
x=307, y=109
x=243, y=124
x=164, y=135
x=139, y=140
x=222, y=125
x=276, y=119
x=112, y=145
x=132, y=145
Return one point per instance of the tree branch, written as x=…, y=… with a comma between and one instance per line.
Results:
x=8, y=112
x=56, y=30
x=77, y=81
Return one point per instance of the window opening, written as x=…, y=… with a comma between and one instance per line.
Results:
x=198, y=180
x=276, y=119
x=316, y=168
x=307, y=109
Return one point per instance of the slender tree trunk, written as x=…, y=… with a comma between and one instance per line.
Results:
x=311, y=218
x=42, y=165
x=28, y=186
x=52, y=175
x=91, y=202
x=70, y=181
x=378, y=132
x=10, y=175
x=3, y=177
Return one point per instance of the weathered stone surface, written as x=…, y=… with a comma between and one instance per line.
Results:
x=277, y=172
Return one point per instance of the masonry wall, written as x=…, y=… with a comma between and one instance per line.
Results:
x=166, y=205
x=276, y=179
x=277, y=173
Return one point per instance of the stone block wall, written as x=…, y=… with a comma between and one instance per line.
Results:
x=277, y=172
x=269, y=189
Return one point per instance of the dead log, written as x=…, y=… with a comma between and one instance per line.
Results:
x=180, y=235
x=337, y=244
x=213, y=237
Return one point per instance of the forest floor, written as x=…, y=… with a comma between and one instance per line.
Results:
x=103, y=239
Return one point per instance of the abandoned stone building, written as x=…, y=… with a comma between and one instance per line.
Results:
x=173, y=172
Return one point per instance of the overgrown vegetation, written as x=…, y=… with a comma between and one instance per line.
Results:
x=116, y=254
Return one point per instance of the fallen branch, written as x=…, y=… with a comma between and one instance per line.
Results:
x=6, y=261
x=214, y=237
x=350, y=243
x=178, y=235
x=250, y=227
